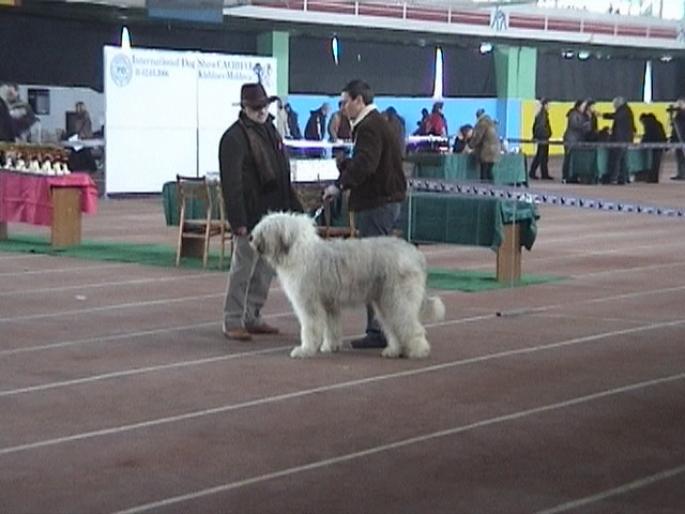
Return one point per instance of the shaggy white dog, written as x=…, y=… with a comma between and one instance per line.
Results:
x=321, y=277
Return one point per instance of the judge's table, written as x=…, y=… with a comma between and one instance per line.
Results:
x=54, y=201
x=505, y=226
x=589, y=165
x=510, y=170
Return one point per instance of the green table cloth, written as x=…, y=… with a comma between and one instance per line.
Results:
x=510, y=170
x=465, y=220
x=590, y=164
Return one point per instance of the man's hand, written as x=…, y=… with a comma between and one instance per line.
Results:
x=240, y=231
x=330, y=192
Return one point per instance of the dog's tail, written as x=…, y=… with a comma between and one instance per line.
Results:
x=432, y=308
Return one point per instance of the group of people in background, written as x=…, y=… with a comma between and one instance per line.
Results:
x=582, y=127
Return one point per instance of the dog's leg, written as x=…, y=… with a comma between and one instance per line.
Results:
x=332, y=340
x=310, y=318
x=403, y=321
x=393, y=349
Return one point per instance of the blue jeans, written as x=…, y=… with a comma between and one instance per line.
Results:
x=376, y=222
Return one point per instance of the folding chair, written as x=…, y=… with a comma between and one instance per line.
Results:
x=330, y=230
x=194, y=234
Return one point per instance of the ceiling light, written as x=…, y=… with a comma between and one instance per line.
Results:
x=485, y=48
x=583, y=55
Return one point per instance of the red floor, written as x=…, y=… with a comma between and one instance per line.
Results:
x=118, y=392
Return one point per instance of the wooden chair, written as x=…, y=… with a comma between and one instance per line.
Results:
x=194, y=234
x=329, y=231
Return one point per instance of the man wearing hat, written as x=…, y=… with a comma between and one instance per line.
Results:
x=255, y=179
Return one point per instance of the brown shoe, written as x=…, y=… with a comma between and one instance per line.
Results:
x=262, y=328
x=237, y=334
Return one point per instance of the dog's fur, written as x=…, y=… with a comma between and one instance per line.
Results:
x=321, y=277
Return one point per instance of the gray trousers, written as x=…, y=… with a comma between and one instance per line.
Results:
x=376, y=222
x=249, y=279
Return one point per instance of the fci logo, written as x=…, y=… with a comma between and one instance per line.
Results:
x=121, y=70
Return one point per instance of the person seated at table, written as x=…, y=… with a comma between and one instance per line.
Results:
x=83, y=127
x=461, y=142
x=9, y=92
x=485, y=144
x=27, y=126
x=654, y=132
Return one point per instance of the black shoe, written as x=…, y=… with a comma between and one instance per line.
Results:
x=369, y=341
x=534, y=177
x=547, y=177
x=677, y=178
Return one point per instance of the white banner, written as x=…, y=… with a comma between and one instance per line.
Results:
x=165, y=112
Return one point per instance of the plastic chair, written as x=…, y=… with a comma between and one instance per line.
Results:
x=194, y=234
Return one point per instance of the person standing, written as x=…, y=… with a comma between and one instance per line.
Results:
x=255, y=179
x=374, y=177
x=542, y=132
x=578, y=126
x=282, y=120
x=678, y=136
x=486, y=145
x=339, y=128
x=437, y=124
x=398, y=127
x=293, y=123
x=622, y=131
x=315, y=129
x=653, y=133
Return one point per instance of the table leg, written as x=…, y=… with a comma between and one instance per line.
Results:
x=509, y=255
x=3, y=231
x=66, y=216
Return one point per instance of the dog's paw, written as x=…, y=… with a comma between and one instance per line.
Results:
x=300, y=352
x=418, y=353
x=391, y=353
x=328, y=347
x=419, y=350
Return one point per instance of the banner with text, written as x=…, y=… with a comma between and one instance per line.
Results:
x=165, y=112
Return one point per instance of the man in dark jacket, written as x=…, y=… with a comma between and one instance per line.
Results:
x=315, y=130
x=678, y=136
x=542, y=131
x=653, y=133
x=622, y=131
x=255, y=179
x=375, y=178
